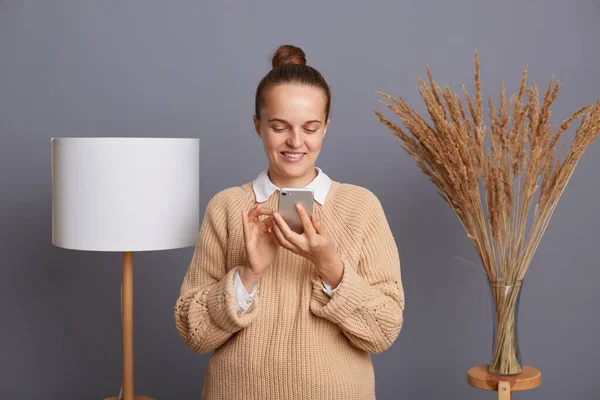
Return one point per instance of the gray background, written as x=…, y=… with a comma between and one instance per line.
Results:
x=190, y=69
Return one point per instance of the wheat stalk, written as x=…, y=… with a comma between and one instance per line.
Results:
x=492, y=188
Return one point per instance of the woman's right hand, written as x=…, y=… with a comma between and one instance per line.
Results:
x=261, y=244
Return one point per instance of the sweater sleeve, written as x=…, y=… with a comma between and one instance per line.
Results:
x=206, y=314
x=368, y=304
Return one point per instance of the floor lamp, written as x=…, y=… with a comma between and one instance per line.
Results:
x=125, y=195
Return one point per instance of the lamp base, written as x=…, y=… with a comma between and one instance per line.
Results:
x=134, y=398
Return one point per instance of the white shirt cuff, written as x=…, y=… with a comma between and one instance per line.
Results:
x=244, y=299
x=327, y=289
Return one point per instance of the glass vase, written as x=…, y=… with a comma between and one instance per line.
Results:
x=506, y=355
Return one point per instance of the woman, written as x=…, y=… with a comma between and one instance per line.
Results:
x=292, y=316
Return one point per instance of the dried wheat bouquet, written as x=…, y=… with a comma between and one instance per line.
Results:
x=491, y=188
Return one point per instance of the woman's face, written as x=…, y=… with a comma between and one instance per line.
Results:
x=292, y=127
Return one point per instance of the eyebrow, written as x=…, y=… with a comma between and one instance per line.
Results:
x=285, y=122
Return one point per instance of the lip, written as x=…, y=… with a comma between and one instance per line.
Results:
x=290, y=160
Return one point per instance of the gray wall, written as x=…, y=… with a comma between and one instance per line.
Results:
x=189, y=69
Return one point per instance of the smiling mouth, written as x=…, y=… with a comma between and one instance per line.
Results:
x=292, y=156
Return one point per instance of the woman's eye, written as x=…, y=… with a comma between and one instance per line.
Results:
x=283, y=129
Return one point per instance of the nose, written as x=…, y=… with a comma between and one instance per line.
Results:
x=295, y=139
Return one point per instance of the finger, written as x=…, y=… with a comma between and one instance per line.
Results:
x=268, y=221
x=266, y=225
x=244, y=224
x=281, y=238
x=285, y=229
x=307, y=225
x=319, y=227
x=258, y=210
x=253, y=213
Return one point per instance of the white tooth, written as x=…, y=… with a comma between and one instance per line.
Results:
x=293, y=155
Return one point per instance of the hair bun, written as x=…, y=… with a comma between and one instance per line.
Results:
x=288, y=54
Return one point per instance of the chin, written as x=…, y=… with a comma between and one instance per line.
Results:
x=293, y=170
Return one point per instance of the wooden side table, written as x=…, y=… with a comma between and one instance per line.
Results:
x=479, y=377
x=134, y=398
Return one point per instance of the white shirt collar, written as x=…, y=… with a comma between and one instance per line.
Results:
x=264, y=188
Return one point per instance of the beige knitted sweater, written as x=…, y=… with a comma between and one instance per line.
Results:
x=294, y=342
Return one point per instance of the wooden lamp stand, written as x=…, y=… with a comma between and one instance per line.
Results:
x=127, y=308
x=479, y=377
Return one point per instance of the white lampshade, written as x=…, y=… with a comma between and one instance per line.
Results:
x=125, y=194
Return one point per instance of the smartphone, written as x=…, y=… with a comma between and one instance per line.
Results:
x=288, y=197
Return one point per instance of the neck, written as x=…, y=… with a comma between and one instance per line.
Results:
x=291, y=182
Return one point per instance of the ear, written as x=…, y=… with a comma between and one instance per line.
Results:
x=256, y=125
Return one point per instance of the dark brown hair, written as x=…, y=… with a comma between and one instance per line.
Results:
x=289, y=66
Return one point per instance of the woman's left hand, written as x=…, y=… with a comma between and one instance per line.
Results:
x=314, y=244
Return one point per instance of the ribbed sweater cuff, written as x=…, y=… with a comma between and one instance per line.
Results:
x=352, y=293
x=222, y=305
